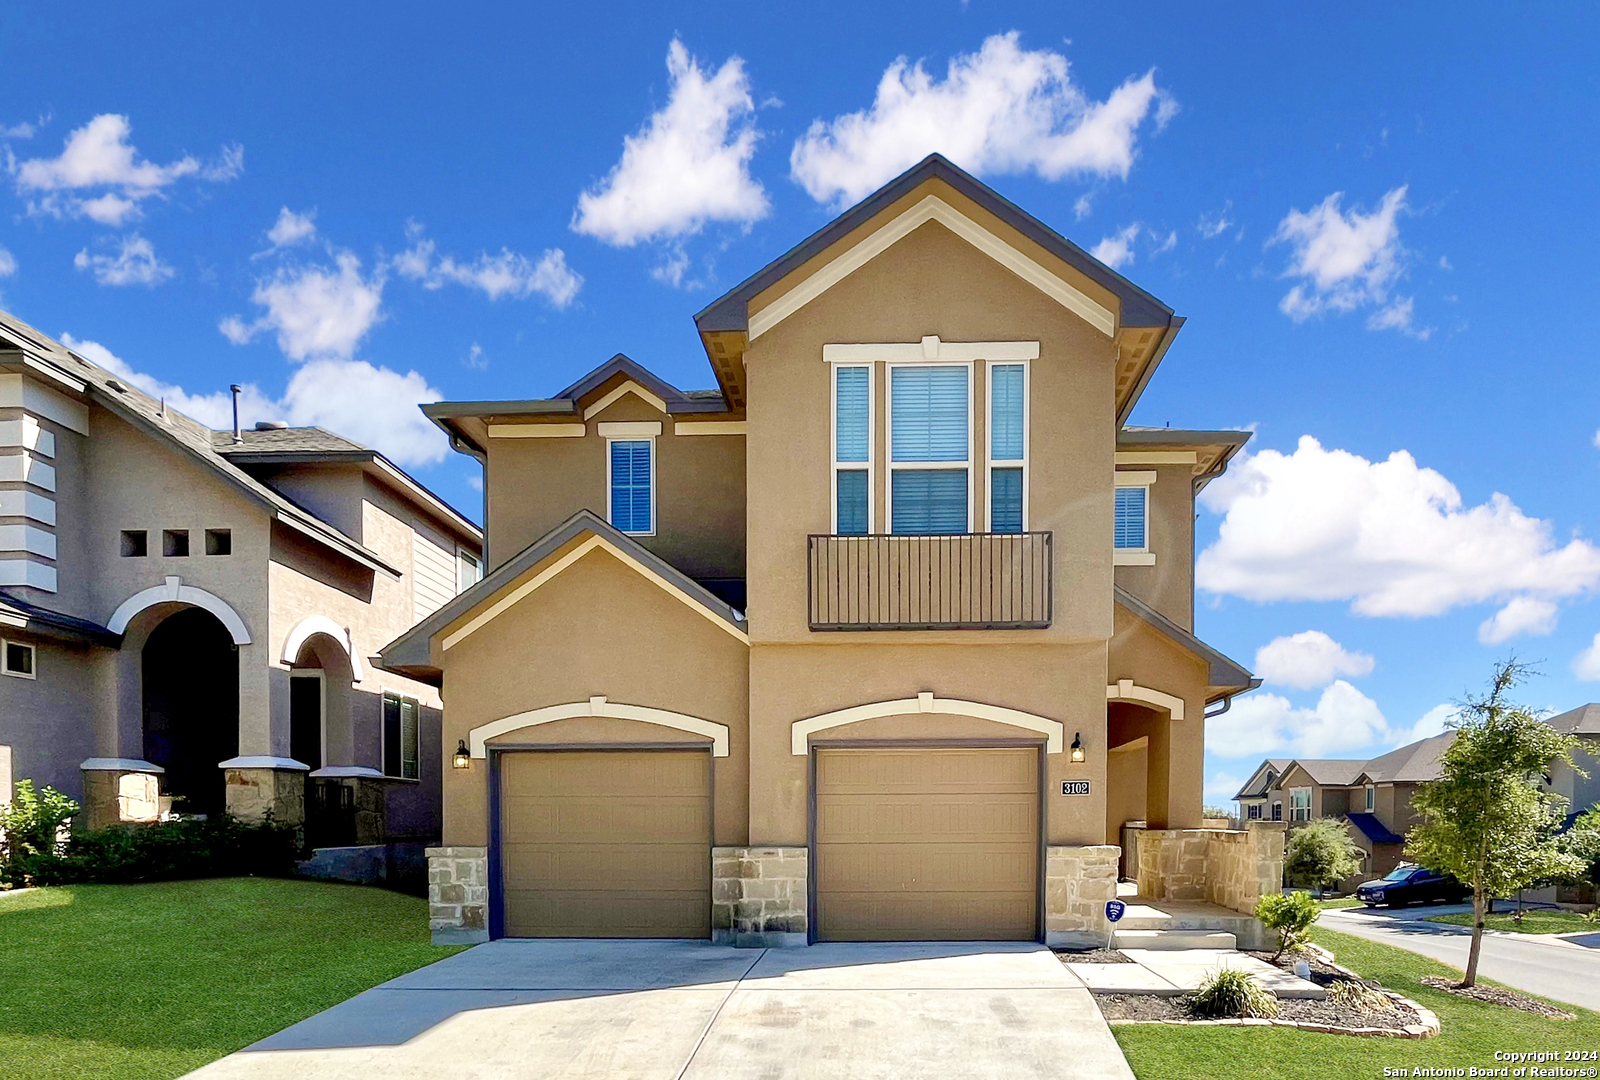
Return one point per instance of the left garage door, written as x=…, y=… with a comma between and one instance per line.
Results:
x=606, y=843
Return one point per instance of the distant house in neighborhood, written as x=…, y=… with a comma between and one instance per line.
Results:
x=1581, y=792
x=189, y=618
x=1255, y=799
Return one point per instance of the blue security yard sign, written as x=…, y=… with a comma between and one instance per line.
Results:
x=1115, y=910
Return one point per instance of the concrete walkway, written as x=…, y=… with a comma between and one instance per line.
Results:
x=1173, y=972
x=687, y=1010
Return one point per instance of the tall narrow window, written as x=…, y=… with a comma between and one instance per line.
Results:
x=468, y=571
x=929, y=449
x=632, y=481
x=1131, y=531
x=400, y=742
x=852, y=450
x=1008, y=441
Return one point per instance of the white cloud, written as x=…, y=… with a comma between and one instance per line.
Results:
x=135, y=263
x=1347, y=261
x=1391, y=537
x=1308, y=660
x=1431, y=723
x=1222, y=787
x=98, y=156
x=1082, y=207
x=372, y=405
x=318, y=312
x=505, y=274
x=688, y=165
x=1212, y=226
x=475, y=358
x=1343, y=720
x=8, y=263
x=475, y=481
x=1522, y=615
x=1116, y=250
x=292, y=228
x=1586, y=665
x=1168, y=244
x=24, y=130
x=1000, y=110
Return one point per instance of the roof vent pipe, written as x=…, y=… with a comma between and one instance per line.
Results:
x=238, y=436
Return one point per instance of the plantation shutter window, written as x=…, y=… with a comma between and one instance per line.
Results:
x=852, y=446
x=632, y=470
x=1007, y=446
x=410, y=768
x=929, y=449
x=1130, y=532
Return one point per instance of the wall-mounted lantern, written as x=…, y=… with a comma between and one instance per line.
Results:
x=462, y=759
x=1077, y=747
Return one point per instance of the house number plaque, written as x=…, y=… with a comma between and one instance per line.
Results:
x=1074, y=787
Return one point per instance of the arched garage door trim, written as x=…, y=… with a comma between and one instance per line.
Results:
x=801, y=730
x=599, y=706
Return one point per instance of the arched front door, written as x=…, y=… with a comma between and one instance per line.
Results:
x=191, y=707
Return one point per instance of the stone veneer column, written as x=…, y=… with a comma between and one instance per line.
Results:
x=261, y=786
x=1268, y=841
x=120, y=791
x=758, y=896
x=458, y=895
x=1077, y=883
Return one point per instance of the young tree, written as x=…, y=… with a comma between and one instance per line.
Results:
x=1486, y=820
x=1321, y=854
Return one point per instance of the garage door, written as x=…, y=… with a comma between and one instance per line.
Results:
x=606, y=843
x=936, y=844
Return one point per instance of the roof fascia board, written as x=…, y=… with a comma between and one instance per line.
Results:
x=1149, y=369
x=425, y=497
x=617, y=393
x=930, y=208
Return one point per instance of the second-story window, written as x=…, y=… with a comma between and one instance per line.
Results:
x=1372, y=799
x=1300, y=804
x=852, y=450
x=930, y=423
x=630, y=465
x=1008, y=441
x=1131, y=533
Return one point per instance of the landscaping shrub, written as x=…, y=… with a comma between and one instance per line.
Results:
x=1357, y=996
x=1230, y=993
x=220, y=846
x=31, y=828
x=1321, y=854
x=1291, y=915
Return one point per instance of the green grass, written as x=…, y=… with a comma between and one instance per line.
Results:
x=1533, y=922
x=1471, y=1032
x=144, y=982
x=1342, y=902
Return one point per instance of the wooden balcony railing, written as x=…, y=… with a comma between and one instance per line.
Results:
x=967, y=581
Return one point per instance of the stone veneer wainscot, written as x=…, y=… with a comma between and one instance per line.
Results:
x=758, y=896
x=458, y=895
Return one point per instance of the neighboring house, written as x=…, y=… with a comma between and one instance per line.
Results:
x=192, y=616
x=875, y=640
x=1581, y=792
x=1258, y=801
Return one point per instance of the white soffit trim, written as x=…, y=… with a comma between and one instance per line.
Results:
x=1157, y=457
x=21, y=392
x=506, y=602
x=1130, y=478
x=709, y=427
x=629, y=429
x=1128, y=690
x=321, y=624
x=932, y=208
x=925, y=702
x=931, y=349
x=537, y=431
x=629, y=387
x=1132, y=558
x=174, y=591
x=599, y=706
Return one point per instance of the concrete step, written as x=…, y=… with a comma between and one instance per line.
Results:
x=1171, y=940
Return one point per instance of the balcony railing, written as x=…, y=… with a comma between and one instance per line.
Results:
x=968, y=581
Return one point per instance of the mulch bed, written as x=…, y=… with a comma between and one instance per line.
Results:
x=1296, y=1010
x=1092, y=956
x=1496, y=996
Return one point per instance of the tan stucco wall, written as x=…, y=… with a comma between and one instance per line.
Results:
x=597, y=629
x=1167, y=586
x=1175, y=770
x=1126, y=784
x=536, y=484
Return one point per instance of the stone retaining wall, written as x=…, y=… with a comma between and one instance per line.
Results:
x=1078, y=882
x=758, y=896
x=1229, y=868
x=458, y=895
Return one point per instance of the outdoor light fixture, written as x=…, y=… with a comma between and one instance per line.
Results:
x=1077, y=746
x=463, y=759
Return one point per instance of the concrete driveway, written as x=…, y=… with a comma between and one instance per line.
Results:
x=687, y=1010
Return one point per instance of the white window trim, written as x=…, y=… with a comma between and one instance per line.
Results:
x=1371, y=799
x=653, y=481
x=872, y=442
x=383, y=737
x=1141, y=556
x=477, y=559
x=993, y=463
x=1294, y=810
x=322, y=705
x=5, y=648
x=888, y=439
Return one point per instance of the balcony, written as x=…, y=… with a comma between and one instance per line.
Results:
x=968, y=581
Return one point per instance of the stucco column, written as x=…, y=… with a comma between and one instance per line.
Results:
x=261, y=786
x=261, y=730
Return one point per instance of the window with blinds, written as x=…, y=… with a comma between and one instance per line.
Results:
x=1007, y=446
x=401, y=749
x=1130, y=529
x=929, y=452
x=632, y=476
x=852, y=449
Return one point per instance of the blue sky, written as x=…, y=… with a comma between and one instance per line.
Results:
x=1379, y=223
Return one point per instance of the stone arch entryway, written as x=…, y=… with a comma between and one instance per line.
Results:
x=189, y=679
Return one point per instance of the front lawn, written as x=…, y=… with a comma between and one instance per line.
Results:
x=1341, y=902
x=1533, y=922
x=1472, y=1032
x=146, y=982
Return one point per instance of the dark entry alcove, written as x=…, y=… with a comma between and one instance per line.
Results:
x=191, y=707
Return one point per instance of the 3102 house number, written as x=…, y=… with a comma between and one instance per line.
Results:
x=1074, y=787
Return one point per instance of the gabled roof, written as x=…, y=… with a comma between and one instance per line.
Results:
x=1414, y=763
x=1256, y=787
x=23, y=615
x=1328, y=772
x=69, y=373
x=467, y=422
x=1225, y=677
x=1375, y=830
x=1584, y=720
x=411, y=654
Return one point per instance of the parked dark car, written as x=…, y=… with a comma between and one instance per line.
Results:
x=1412, y=885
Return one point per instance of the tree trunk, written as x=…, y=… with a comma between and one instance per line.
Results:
x=1471, y=977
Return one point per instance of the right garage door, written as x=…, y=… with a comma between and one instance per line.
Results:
x=927, y=843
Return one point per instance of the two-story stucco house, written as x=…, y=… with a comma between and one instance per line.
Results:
x=884, y=637
x=190, y=618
